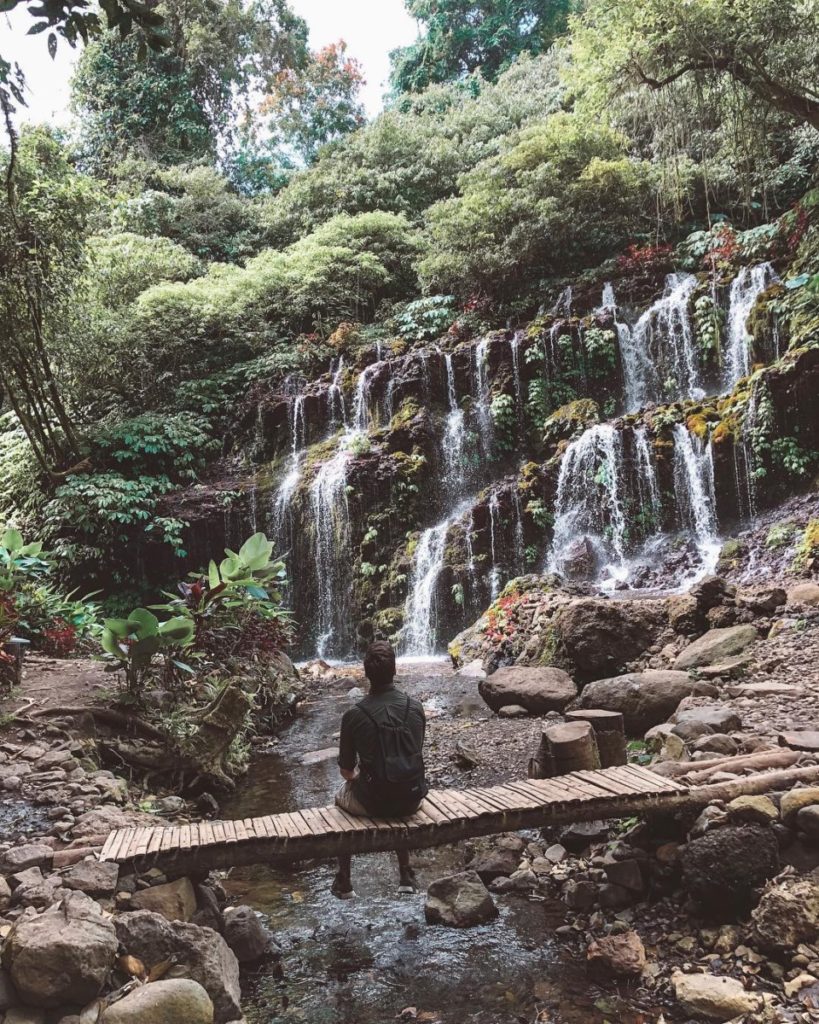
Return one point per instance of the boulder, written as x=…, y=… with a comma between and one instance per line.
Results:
x=598, y=637
x=794, y=800
x=162, y=1002
x=710, y=718
x=205, y=954
x=91, y=876
x=722, y=868
x=30, y=855
x=580, y=834
x=645, y=699
x=802, y=739
x=764, y=602
x=539, y=690
x=580, y=894
x=459, y=901
x=175, y=901
x=474, y=670
x=714, y=998
x=807, y=820
x=804, y=593
x=244, y=934
x=755, y=810
x=61, y=957
x=788, y=914
x=579, y=560
x=617, y=956
x=502, y=859
x=8, y=997
x=26, y=1015
x=683, y=614
x=716, y=645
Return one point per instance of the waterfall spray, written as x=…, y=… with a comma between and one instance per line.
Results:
x=746, y=288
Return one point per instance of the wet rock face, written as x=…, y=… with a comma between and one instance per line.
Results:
x=645, y=699
x=459, y=901
x=723, y=868
x=538, y=690
x=62, y=957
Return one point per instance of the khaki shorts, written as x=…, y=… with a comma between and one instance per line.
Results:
x=346, y=800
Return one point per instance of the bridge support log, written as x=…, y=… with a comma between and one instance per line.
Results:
x=609, y=732
x=564, y=748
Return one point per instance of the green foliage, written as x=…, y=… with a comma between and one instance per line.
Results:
x=316, y=103
x=709, y=319
x=174, y=446
x=542, y=517
x=424, y=319
x=563, y=195
x=459, y=37
x=780, y=535
x=504, y=420
x=457, y=591
x=125, y=264
x=601, y=351
x=131, y=645
x=787, y=453
x=179, y=104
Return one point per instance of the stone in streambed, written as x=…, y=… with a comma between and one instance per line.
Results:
x=806, y=739
x=204, y=953
x=645, y=699
x=617, y=956
x=715, y=998
x=599, y=636
x=20, y=858
x=97, y=878
x=459, y=901
x=716, y=645
x=174, y=1001
x=538, y=690
x=759, y=810
x=62, y=956
x=245, y=935
x=175, y=901
x=807, y=820
x=501, y=859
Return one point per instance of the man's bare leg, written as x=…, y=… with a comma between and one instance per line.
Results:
x=408, y=883
x=342, y=883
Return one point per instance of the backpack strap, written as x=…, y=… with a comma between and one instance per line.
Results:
x=406, y=710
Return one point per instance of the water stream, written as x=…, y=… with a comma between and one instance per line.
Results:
x=746, y=288
x=364, y=961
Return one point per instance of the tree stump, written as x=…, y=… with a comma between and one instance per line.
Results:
x=567, y=747
x=609, y=732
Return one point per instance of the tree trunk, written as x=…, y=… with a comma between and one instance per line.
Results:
x=609, y=732
x=567, y=747
x=699, y=771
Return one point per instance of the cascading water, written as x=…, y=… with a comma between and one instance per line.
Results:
x=514, y=345
x=746, y=288
x=421, y=610
x=494, y=522
x=290, y=480
x=454, y=433
x=659, y=355
x=694, y=489
x=648, y=489
x=590, y=499
x=483, y=393
x=335, y=395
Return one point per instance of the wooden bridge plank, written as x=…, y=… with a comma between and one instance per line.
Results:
x=249, y=828
x=634, y=782
x=516, y=801
x=482, y=804
x=436, y=798
x=114, y=843
x=318, y=825
x=605, y=787
x=649, y=778
x=546, y=796
x=230, y=831
x=493, y=805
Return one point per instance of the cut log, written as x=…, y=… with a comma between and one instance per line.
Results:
x=567, y=747
x=701, y=771
x=609, y=732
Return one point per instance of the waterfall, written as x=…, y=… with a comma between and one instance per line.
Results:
x=659, y=356
x=648, y=489
x=335, y=395
x=746, y=288
x=483, y=393
x=564, y=302
x=608, y=301
x=421, y=610
x=454, y=434
x=290, y=480
x=514, y=345
x=694, y=486
x=520, y=551
x=331, y=523
x=494, y=575
x=590, y=500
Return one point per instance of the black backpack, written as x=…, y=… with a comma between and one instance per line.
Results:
x=396, y=778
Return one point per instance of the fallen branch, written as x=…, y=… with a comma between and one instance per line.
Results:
x=701, y=771
x=108, y=716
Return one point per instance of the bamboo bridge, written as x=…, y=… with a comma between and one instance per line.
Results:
x=445, y=816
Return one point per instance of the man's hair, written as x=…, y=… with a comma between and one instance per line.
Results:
x=379, y=664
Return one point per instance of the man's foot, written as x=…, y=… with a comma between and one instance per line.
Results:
x=408, y=883
x=342, y=888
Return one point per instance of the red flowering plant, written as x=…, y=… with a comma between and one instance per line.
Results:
x=501, y=619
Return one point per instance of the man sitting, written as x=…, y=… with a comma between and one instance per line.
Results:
x=380, y=758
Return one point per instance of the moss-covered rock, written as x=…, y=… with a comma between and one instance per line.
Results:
x=569, y=420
